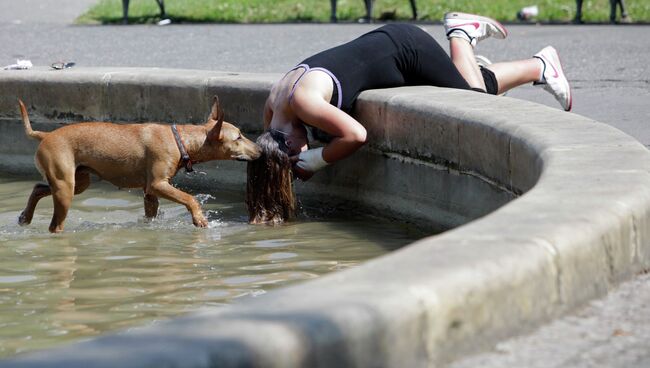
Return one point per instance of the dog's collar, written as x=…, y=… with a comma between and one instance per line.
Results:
x=185, y=158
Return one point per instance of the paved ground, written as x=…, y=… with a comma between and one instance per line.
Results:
x=610, y=333
x=606, y=64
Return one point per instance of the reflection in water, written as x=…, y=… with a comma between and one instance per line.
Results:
x=111, y=269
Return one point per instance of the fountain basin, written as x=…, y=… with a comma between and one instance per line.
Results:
x=543, y=210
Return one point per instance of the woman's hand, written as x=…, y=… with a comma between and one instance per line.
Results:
x=299, y=172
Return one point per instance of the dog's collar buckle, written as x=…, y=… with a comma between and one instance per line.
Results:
x=185, y=158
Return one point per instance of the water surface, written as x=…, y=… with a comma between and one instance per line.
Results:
x=111, y=269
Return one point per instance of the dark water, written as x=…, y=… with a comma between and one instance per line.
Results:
x=112, y=269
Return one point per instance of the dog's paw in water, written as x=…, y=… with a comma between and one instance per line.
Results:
x=23, y=220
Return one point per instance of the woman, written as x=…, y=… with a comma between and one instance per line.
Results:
x=313, y=100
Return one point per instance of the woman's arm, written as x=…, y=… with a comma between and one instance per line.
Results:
x=310, y=107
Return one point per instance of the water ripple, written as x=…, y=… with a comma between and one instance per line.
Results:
x=114, y=269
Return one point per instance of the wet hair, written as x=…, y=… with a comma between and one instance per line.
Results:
x=269, y=190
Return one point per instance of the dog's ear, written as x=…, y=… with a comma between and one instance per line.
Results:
x=216, y=115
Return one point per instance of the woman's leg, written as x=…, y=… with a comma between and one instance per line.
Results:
x=431, y=64
x=462, y=55
x=543, y=69
x=464, y=31
x=512, y=74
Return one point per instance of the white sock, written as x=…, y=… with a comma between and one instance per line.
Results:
x=459, y=33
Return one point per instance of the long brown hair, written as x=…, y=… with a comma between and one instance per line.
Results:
x=269, y=189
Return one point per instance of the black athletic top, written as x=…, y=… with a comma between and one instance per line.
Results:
x=394, y=55
x=391, y=56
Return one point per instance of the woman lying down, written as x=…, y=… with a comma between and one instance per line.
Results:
x=313, y=100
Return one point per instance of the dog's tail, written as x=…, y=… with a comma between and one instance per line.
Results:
x=28, y=126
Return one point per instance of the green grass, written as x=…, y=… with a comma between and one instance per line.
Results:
x=277, y=11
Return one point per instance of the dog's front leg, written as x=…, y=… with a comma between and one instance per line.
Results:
x=150, y=206
x=164, y=189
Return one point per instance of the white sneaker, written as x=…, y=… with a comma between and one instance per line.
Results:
x=553, y=79
x=472, y=27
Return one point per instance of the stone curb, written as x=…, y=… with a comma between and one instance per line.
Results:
x=580, y=224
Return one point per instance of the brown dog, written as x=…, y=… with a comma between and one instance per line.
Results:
x=143, y=156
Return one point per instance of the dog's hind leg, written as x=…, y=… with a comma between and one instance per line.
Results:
x=62, y=193
x=61, y=175
x=82, y=181
x=39, y=192
x=150, y=206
